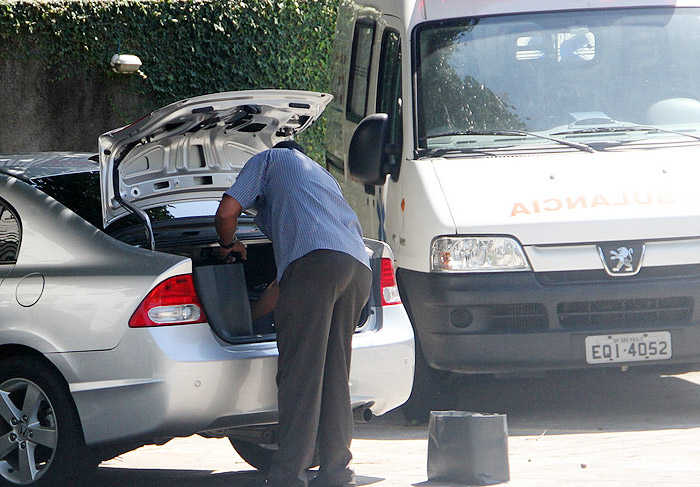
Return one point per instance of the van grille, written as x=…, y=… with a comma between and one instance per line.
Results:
x=519, y=318
x=600, y=276
x=624, y=313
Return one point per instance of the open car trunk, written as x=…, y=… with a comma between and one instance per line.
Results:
x=228, y=290
x=187, y=154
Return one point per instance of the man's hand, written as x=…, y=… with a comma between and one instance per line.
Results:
x=225, y=221
x=227, y=255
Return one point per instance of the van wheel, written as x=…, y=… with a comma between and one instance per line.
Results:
x=431, y=391
x=255, y=455
x=41, y=441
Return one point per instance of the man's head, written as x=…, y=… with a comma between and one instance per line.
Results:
x=289, y=144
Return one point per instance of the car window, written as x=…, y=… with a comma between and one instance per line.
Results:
x=9, y=236
x=79, y=192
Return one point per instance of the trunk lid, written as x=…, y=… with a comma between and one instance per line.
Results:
x=193, y=149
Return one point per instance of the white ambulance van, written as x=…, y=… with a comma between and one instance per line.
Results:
x=535, y=167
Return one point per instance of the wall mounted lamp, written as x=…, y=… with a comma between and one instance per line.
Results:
x=125, y=63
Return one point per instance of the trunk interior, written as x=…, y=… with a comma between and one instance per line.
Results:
x=226, y=290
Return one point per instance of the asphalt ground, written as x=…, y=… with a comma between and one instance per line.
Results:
x=575, y=429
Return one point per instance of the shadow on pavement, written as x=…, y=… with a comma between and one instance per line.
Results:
x=126, y=477
x=566, y=402
x=555, y=405
x=437, y=483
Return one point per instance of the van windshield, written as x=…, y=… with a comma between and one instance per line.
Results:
x=584, y=76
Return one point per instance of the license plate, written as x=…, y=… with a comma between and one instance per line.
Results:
x=628, y=347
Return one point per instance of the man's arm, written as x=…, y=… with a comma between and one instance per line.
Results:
x=225, y=221
x=266, y=302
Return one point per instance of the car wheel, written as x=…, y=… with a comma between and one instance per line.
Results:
x=260, y=456
x=430, y=391
x=255, y=455
x=41, y=442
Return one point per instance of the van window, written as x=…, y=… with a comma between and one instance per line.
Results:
x=9, y=236
x=555, y=72
x=389, y=86
x=360, y=62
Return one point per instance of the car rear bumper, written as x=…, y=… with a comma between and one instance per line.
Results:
x=180, y=380
x=516, y=322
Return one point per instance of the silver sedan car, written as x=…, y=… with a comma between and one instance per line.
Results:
x=120, y=327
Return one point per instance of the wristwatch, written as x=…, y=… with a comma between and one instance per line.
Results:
x=227, y=246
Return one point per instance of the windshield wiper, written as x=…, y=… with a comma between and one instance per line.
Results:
x=511, y=133
x=626, y=128
x=443, y=151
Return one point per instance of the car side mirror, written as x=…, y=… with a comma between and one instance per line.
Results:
x=368, y=156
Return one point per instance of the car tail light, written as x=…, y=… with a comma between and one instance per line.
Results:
x=172, y=302
x=390, y=291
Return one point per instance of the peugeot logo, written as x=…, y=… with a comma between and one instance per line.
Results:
x=621, y=259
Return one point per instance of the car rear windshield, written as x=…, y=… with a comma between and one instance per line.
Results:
x=79, y=192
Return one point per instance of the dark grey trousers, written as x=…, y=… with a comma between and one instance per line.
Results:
x=321, y=297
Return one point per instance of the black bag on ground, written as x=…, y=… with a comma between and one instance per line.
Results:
x=470, y=448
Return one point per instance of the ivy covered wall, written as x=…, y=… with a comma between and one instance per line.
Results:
x=57, y=91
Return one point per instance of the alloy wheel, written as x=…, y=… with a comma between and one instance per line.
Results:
x=28, y=431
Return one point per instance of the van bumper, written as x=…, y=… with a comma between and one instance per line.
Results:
x=515, y=322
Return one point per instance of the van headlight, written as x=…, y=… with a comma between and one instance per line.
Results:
x=477, y=254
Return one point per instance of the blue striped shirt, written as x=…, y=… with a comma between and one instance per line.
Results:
x=300, y=206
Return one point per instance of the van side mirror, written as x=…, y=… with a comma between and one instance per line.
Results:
x=368, y=158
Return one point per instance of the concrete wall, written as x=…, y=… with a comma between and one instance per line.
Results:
x=37, y=114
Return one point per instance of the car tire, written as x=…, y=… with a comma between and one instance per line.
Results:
x=41, y=440
x=260, y=456
x=431, y=391
x=255, y=455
